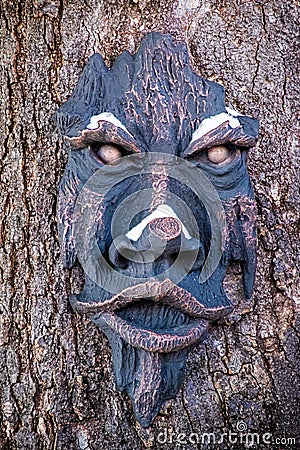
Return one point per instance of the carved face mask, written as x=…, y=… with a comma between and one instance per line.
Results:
x=155, y=202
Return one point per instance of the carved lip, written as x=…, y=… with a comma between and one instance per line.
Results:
x=153, y=341
x=160, y=293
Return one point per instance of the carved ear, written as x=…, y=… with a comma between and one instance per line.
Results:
x=248, y=268
x=241, y=247
x=86, y=99
x=79, y=168
x=247, y=221
x=68, y=192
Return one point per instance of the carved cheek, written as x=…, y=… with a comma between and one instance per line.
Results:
x=108, y=153
x=218, y=154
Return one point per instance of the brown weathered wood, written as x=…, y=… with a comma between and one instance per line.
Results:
x=57, y=388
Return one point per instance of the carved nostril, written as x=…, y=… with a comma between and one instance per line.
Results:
x=117, y=258
x=166, y=228
x=161, y=242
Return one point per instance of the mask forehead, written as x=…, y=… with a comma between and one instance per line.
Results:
x=156, y=97
x=155, y=94
x=167, y=100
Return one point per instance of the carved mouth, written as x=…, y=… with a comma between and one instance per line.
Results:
x=155, y=316
x=181, y=332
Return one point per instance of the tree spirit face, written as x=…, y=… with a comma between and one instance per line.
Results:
x=154, y=204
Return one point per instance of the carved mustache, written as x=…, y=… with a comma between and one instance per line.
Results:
x=161, y=293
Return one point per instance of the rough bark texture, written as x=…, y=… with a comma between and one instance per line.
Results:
x=57, y=386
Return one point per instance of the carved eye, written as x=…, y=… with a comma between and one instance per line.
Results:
x=218, y=154
x=107, y=153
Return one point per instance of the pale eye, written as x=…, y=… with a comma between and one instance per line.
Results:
x=218, y=154
x=108, y=153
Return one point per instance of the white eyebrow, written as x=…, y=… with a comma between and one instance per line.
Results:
x=107, y=117
x=160, y=212
x=212, y=122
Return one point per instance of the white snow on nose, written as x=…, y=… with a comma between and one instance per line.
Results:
x=160, y=212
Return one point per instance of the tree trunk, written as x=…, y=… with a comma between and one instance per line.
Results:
x=57, y=385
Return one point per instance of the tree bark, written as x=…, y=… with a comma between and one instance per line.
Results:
x=57, y=385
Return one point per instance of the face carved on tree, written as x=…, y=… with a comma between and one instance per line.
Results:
x=154, y=204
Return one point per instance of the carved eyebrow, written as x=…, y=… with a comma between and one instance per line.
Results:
x=160, y=212
x=212, y=122
x=107, y=117
x=105, y=128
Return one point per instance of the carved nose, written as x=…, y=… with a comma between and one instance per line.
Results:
x=166, y=228
x=162, y=238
